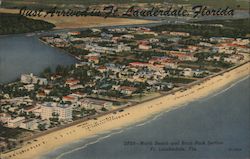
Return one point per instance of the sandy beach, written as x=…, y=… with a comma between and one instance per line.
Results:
x=44, y=144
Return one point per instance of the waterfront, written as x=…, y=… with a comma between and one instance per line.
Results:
x=19, y=52
x=222, y=117
x=26, y=54
x=66, y=133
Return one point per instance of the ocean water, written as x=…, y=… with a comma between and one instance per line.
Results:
x=22, y=54
x=215, y=127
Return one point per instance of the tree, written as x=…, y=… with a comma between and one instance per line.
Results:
x=47, y=73
x=42, y=127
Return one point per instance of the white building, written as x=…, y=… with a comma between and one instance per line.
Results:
x=96, y=104
x=64, y=111
x=234, y=58
x=16, y=122
x=5, y=118
x=30, y=78
x=122, y=47
x=187, y=72
x=179, y=34
x=29, y=87
x=145, y=47
x=30, y=124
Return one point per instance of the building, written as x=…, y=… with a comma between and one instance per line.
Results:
x=179, y=34
x=76, y=86
x=144, y=46
x=72, y=82
x=29, y=87
x=167, y=62
x=70, y=98
x=183, y=56
x=97, y=104
x=26, y=78
x=234, y=58
x=5, y=118
x=127, y=90
x=30, y=78
x=64, y=111
x=187, y=72
x=30, y=124
x=122, y=47
x=16, y=122
x=139, y=64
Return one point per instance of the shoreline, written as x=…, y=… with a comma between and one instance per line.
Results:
x=42, y=143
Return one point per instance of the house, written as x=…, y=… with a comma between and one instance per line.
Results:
x=71, y=82
x=127, y=90
x=122, y=47
x=183, y=56
x=3, y=143
x=187, y=72
x=31, y=108
x=192, y=48
x=144, y=46
x=93, y=59
x=70, y=98
x=5, y=118
x=97, y=104
x=94, y=30
x=76, y=86
x=16, y=122
x=217, y=58
x=105, y=35
x=78, y=95
x=214, y=58
x=139, y=64
x=102, y=69
x=240, y=41
x=30, y=78
x=47, y=91
x=82, y=64
x=29, y=87
x=26, y=78
x=30, y=124
x=166, y=61
x=150, y=32
x=221, y=39
x=179, y=34
x=127, y=36
x=234, y=58
x=199, y=73
x=74, y=33
x=41, y=95
x=205, y=44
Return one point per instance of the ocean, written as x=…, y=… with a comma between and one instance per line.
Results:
x=214, y=127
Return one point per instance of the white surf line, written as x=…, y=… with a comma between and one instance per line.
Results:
x=226, y=89
x=148, y=121
x=105, y=137
x=88, y=144
x=114, y=133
